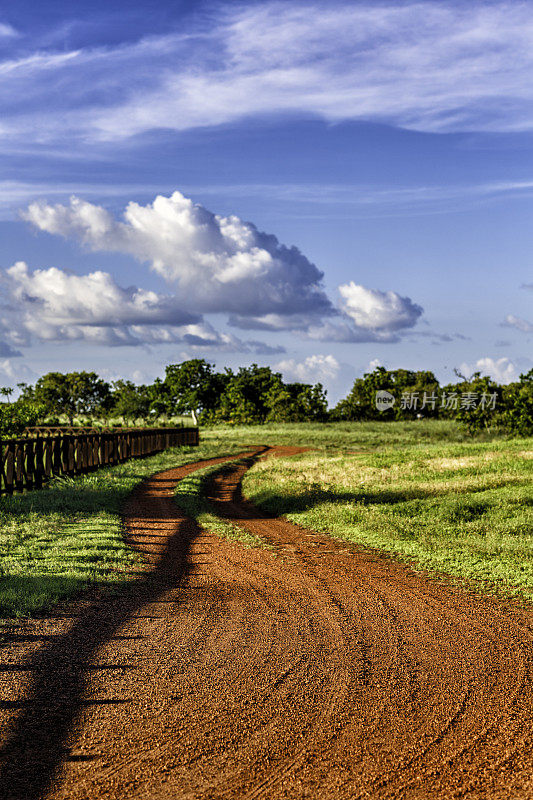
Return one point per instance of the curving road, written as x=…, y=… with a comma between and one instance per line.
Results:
x=308, y=670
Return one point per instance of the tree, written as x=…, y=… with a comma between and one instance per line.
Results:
x=517, y=402
x=297, y=402
x=6, y=391
x=131, y=402
x=414, y=393
x=14, y=417
x=192, y=387
x=72, y=393
x=478, y=399
x=246, y=396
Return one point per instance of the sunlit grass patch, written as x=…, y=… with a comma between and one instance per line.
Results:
x=472, y=519
x=345, y=435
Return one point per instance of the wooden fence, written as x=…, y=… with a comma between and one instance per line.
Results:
x=29, y=462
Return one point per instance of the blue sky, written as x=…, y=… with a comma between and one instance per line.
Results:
x=320, y=187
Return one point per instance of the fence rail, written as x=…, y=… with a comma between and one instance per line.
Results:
x=28, y=463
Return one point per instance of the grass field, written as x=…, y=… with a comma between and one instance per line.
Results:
x=465, y=509
x=345, y=435
x=58, y=541
x=421, y=490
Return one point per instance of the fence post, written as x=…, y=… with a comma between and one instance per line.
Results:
x=38, y=462
x=71, y=455
x=8, y=457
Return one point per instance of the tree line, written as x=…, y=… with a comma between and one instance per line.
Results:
x=256, y=394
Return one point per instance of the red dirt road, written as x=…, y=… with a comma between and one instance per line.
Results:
x=312, y=670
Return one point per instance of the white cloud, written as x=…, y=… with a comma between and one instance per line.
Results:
x=345, y=331
x=502, y=370
x=53, y=305
x=218, y=263
x=517, y=322
x=358, y=198
x=315, y=368
x=377, y=311
x=55, y=297
x=428, y=66
x=15, y=372
x=7, y=31
x=374, y=364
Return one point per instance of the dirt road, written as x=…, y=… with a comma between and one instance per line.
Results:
x=311, y=670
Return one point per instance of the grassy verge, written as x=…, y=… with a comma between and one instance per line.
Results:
x=461, y=509
x=345, y=435
x=190, y=496
x=58, y=541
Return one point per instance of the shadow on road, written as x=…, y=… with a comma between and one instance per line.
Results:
x=35, y=747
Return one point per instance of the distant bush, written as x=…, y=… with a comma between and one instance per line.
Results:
x=517, y=414
x=14, y=417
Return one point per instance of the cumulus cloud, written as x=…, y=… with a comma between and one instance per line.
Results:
x=201, y=336
x=502, y=370
x=217, y=263
x=58, y=306
x=315, y=368
x=432, y=66
x=374, y=310
x=368, y=315
x=58, y=297
x=520, y=324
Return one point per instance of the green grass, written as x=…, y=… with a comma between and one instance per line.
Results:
x=345, y=435
x=58, y=541
x=461, y=509
x=190, y=496
x=472, y=519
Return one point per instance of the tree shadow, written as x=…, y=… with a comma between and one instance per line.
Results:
x=35, y=746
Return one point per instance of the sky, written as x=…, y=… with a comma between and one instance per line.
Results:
x=318, y=187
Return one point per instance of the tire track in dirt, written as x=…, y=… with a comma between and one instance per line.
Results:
x=447, y=707
x=314, y=670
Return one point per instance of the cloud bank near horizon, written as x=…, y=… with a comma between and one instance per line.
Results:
x=213, y=264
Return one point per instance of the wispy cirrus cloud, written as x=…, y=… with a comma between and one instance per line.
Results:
x=356, y=198
x=432, y=66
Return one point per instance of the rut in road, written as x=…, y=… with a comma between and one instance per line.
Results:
x=311, y=670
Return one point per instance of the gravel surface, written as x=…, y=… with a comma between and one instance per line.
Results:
x=310, y=670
